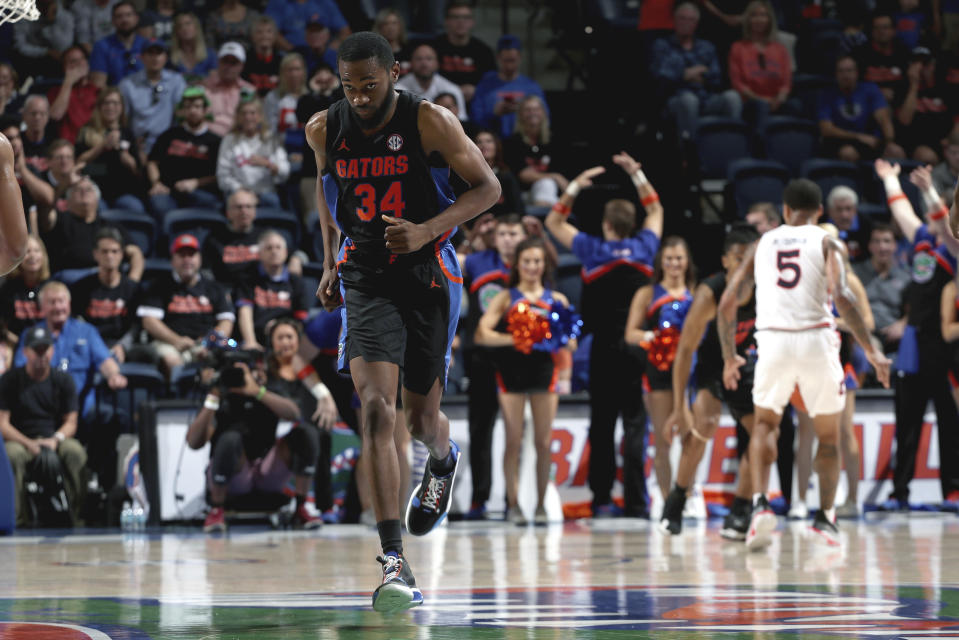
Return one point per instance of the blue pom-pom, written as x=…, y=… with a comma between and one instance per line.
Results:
x=564, y=325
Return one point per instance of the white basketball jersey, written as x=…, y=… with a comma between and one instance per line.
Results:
x=791, y=283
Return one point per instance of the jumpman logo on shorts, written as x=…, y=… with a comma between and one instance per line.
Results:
x=433, y=284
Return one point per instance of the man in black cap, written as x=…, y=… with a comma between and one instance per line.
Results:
x=924, y=115
x=38, y=409
x=151, y=95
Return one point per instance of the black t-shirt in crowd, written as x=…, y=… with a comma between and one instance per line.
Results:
x=232, y=256
x=271, y=299
x=19, y=305
x=71, y=241
x=181, y=155
x=518, y=155
x=112, y=176
x=262, y=73
x=110, y=309
x=37, y=408
x=191, y=311
x=255, y=421
x=463, y=64
x=888, y=71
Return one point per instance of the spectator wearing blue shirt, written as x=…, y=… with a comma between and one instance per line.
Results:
x=118, y=55
x=614, y=268
x=499, y=93
x=292, y=17
x=151, y=95
x=317, y=50
x=79, y=351
x=854, y=118
x=687, y=69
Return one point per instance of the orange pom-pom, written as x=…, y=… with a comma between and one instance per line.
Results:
x=662, y=350
x=527, y=327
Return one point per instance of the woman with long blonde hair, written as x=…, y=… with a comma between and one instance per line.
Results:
x=19, y=302
x=390, y=24
x=250, y=156
x=529, y=153
x=280, y=103
x=760, y=67
x=188, y=51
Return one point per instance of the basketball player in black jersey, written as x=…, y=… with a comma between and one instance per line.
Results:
x=13, y=224
x=385, y=155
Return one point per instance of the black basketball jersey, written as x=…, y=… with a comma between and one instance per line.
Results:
x=385, y=173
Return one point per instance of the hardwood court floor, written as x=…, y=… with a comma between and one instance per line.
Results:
x=895, y=576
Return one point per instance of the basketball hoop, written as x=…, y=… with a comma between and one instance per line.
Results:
x=16, y=10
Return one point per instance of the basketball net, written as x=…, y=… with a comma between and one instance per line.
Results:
x=15, y=10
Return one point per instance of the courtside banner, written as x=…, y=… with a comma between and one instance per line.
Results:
x=874, y=426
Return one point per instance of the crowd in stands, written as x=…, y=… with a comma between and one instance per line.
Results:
x=168, y=183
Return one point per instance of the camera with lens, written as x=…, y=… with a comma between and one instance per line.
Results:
x=224, y=355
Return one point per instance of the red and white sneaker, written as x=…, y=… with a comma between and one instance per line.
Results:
x=303, y=518
x=762, y=523
x=215, y=521
x=826, y=531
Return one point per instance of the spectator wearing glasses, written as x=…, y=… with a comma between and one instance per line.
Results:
x=118, y=55
x=111, y=155
x=151, y=95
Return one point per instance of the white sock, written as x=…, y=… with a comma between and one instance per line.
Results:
x=756, y=497
x=831, y=514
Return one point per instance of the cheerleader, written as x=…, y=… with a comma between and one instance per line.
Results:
x=656, y=316
x=524, y=370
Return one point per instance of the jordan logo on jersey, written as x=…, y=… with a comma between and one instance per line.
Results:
x=433, y=284
x=343, y=146
x=394, y=142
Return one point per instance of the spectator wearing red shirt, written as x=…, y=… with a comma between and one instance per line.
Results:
x=72, y=103
x=760, y=68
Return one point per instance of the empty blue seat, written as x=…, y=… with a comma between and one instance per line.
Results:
x=756, y=181
x=139, y=227
x=791, y=141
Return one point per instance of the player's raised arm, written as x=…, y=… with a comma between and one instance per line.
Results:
x=845, y=301
x=935, y=207
x=329, y=290
x=739, y=282
x=13, y=223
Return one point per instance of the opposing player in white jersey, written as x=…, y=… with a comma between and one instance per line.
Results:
x=798, y=271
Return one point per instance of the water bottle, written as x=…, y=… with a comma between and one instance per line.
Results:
x=126, y=517
x=138, y=517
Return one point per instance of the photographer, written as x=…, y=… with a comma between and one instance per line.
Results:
x=239, y=418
